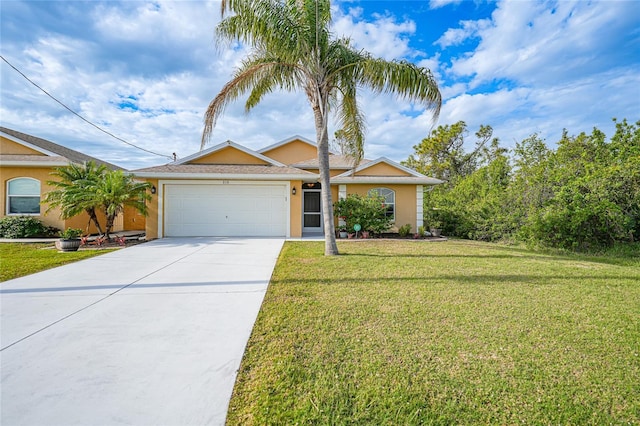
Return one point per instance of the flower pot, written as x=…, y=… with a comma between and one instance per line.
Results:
x=344, y=234
x=68, y=245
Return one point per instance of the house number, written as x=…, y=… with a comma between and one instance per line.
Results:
x=225, y=182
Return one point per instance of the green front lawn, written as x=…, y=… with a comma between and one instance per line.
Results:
x=19, y=259
x=411, y=332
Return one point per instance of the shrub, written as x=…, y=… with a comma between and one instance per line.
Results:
x=404, y=230
x=70, y=233
x=24, y=227
x=369, y=212
x=421, y=231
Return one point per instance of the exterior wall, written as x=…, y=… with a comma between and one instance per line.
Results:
x=405, y=201
x=332, y=172
x=382, y=169
x=295, y=212
x=8, y=146
x=42, y=174
x=293, y=152
x=229, y=155
x=151, y=222
x=51, y=218
x=132, y=220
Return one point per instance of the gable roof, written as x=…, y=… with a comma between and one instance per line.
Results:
x=286, y=141
x=224, y=145
x=184, y=169
x=336, y=162
x=61, y=154
x=413, y=178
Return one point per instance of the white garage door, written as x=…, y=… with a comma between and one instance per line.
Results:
x=231, y=210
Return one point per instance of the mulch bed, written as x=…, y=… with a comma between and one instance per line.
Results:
x=113, y=244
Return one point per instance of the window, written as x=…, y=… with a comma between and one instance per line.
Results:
x=389, y=200
x=23, y=196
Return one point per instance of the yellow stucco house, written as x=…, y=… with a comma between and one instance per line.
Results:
x=26, y=163
x=231, y=190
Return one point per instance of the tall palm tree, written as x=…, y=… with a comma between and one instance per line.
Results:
x=73, y=193
x=293, y=49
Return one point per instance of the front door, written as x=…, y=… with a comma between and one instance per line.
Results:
x=311, y=211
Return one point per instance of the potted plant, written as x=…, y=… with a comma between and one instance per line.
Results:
x=69, y=239
x=436, y=228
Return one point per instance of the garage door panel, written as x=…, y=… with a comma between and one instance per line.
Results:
x=225, y=210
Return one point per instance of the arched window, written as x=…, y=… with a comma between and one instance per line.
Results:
x=389, y=196
x=23, y=196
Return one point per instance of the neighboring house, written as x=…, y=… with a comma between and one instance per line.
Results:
x=26, y=163
x=231, y=190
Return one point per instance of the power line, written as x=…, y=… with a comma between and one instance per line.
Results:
x=81, y=117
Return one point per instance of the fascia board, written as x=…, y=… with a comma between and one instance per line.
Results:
x=19, y=163
x=225, y=176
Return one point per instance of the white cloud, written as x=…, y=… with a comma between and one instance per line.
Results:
x=545, y=42
x=456, y=36
x=437, y=4
x=532, y=67
x=383, y=37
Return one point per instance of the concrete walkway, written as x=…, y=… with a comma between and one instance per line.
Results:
x=149, y=335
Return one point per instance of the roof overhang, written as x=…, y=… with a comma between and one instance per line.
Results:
x=27, y=163
x=224, y=145
x=224, y=176
x=396, y=180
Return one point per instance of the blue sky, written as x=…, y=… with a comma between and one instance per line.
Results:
x=146, y=71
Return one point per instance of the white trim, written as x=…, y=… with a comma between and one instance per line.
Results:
x=24, y=163
x=393, y=220
x=391, y=163
x=419, y=206
x=228, y=144
x=8, y=197
x=321, y=214
x=163, y=182
x=286, y=141
x=342, y=192
x=386, y=180
x=225, y=176
x=28, y=145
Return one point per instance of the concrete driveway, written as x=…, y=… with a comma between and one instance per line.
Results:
x=149, y=335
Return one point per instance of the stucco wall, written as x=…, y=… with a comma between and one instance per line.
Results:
x=293, y=152
x=228, y=155
x=151, y=223
x=10, y=147
x=382, y=169
x=43, y=175
x=405, y=202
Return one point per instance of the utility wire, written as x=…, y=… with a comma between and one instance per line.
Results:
x=81, y=117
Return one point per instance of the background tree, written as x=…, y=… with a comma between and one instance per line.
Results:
x=442, y=154
x=293, y=49
x=73, y=193
x=584, y=195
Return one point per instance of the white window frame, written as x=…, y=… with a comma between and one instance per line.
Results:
x=9, y=197
x=378, y=191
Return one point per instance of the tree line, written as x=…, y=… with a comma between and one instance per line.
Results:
x=582, y=195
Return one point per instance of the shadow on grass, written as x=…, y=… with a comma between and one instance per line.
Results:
x=527, y=255
x=541, y=280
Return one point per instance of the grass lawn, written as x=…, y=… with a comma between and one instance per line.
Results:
x=19, y=259
x=458, y=332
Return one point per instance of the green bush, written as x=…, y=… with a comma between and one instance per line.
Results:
x=24, y=227
x=369, y=212
x=404, y=230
